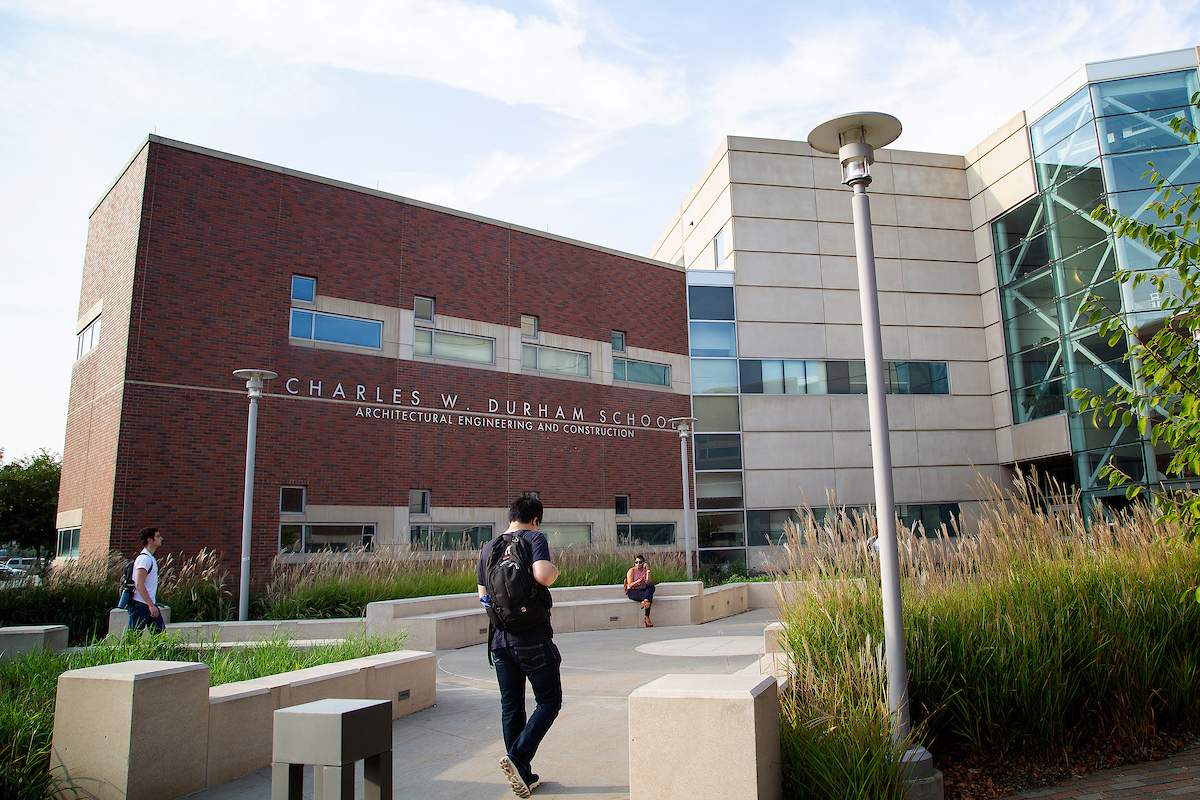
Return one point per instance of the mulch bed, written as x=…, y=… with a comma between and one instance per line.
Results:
x=968, y=777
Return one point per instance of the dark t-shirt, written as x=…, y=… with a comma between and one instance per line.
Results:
x=540, y=633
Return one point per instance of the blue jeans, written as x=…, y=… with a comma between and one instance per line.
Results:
x=540, y=664
x=139, y=617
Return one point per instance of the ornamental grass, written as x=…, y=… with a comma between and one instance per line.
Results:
x=1030, y=636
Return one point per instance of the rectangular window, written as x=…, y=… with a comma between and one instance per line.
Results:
x=713, y=339
x=304, y=289
x=618, y=341
x=326, y=538
x=529, y=326
x=646, y=533
x=716, y=414
x=710, y=302
x=622, y=505
x=719, y=251
x=418, y=501
x=718, y=490
x=291, y=500
x=641, y=372
x=449, y=537
x=68, y=543
x=423, y=308
x=932, y=517
x=726, y=529
x=551, y=359
x=718, y=451
x=460, y=346
x=87, y=339
x=567, y=534
x=770, y=527
x=714, y=376
x=321, y=327
x=774, y=376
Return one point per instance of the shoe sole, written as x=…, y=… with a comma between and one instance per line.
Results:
x=519, y=787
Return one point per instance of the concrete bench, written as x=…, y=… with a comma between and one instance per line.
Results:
x=249, y=631
x=16, y=640
x=103, y=712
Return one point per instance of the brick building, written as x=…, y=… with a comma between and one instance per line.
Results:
x=432, y=365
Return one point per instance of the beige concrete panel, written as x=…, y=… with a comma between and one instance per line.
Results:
x=777, y=202
x=390, y=676
x=772, y=169
x=846, y=342
x=731, y=723
x=954, y=483
x=837, y=239
x=993, y=338
x=895, y=343
x=931, y=212
x=851, y=449
x=854, y=487
x=997, y=136
x=841, y=272
x=776, y=304
x=935, y=244
x=776, y=236
x=788, y=488
x=902, y=414
x=827, y=173
x=941, y=413
x=987, y=273
x=942, y=310
x=781, y=340
x=1004, y=445
x=1040, y=438
x=835, y=205
x=845, y=308
x=1009, y=154
x=998, y=374
x=849, y=413
x=957, y=446
x=946, y=344
x=1002, y=408
x=974, y=186
x=941, y=277
x=929, y=181
x=705, y=216
x=107, y=718
x=969, y=378
x=339, y=679
x=1009, y=191
x=780, y=412
x=757, y=144
x=921, y=158
x=979, y=220
x=989, y=302
x=239, y=730
x=788, y=450
x=802, y=271
x=904, y=448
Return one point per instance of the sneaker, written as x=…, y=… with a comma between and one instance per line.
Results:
x=519, y=786
x=534, y=782
x=649, y=624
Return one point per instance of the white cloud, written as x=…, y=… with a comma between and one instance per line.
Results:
x=948, y=78
x=477, y=48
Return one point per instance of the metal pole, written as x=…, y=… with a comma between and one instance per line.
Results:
x=248, y=503
x=687, y=537
x=881, y=459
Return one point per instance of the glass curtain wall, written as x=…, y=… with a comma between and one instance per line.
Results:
x=1050, y=255
x=717, y=444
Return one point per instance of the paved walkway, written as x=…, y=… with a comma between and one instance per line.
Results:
x=1175, y=777
x=451, y=751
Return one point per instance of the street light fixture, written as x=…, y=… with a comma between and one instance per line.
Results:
x=255, y=378
x=853, y=138
x=684, y=425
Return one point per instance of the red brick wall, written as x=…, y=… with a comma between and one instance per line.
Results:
x=94, y=409
x=213, y=295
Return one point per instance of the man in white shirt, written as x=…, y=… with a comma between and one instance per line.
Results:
x=143, y=608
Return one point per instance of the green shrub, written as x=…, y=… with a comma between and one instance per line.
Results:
x=28, y=685
x=1021, y=639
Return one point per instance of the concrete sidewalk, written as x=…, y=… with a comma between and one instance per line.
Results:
x=452, y=750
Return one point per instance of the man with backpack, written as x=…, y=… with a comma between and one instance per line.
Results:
x=515, y=574
x=143, y=608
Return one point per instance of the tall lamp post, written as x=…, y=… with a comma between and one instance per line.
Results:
x=853, y=138
x=684, y=426
x=255, y=378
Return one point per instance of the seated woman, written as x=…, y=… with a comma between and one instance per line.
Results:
x=638, y=586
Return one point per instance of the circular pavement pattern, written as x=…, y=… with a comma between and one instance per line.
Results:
x=705, y=646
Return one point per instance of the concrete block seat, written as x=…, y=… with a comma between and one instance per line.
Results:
x=17, y=640
x=458, y=620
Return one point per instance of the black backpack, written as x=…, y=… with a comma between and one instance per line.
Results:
x=128, y=586
x=518, y=602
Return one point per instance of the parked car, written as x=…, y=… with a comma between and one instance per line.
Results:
x=23, y=564
x=15, y=577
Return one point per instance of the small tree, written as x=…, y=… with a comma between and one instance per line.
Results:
x=1165, y=357
x=29, y=500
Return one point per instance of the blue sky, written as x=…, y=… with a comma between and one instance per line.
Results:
x=590, y=119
